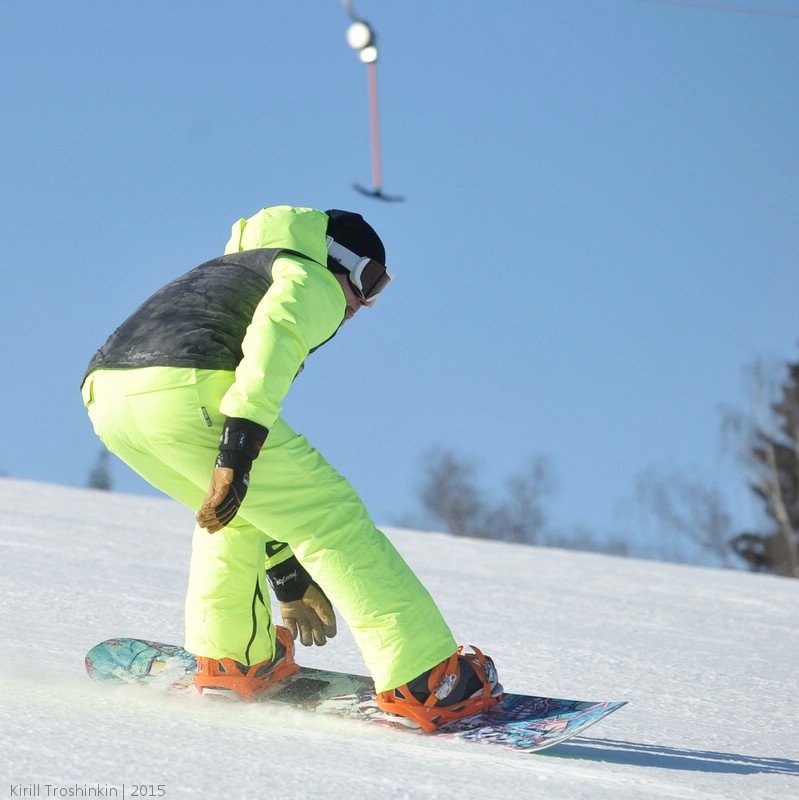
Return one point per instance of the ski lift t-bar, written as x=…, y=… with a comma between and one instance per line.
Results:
x=362, y=37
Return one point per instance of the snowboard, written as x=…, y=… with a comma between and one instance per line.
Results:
x=519, y=722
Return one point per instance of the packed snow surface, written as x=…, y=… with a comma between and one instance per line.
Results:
x=707, y=660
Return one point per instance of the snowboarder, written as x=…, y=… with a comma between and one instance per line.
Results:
x=189, y=390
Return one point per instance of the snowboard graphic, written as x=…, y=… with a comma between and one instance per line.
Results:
x=519, y=722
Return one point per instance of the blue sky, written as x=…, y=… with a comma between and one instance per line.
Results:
x=601, y=227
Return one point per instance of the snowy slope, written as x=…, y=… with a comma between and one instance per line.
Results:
x=708, y=660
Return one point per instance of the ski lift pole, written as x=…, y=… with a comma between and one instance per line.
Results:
x=374, y=126
x=361, y=37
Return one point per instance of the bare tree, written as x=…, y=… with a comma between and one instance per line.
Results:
x=450, y=494
x=100, y=473
x=767, y=440
x=771, y=454
x=452, y=498
x=520, y=518
x=689, y=510
x=580, y=538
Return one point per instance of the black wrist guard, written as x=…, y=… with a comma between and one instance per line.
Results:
x=289, y=580
x=240, y=443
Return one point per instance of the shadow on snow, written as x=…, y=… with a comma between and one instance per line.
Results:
x=650, y=755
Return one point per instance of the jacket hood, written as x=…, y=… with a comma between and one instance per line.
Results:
x=300, y=229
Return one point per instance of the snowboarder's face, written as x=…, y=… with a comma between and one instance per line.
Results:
x=354, y=302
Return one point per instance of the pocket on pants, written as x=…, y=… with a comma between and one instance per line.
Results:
x=87, y=391
x=172, y=417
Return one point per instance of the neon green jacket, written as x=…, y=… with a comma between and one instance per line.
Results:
x=303, y=308
x=257, y=311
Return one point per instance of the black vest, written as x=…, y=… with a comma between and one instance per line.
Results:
x=198, y=320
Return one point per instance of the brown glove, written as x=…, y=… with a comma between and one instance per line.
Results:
x=222, y=500
x=239, y=446
x=311, y=616
x=303, y=605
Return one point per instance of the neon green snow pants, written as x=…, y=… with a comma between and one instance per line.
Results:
x=156, y=419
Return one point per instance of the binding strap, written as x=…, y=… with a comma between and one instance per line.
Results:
x=430, y=716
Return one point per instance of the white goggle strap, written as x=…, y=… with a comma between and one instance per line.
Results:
x=349, y=260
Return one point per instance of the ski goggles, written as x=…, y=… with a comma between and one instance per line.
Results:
x=366, y=276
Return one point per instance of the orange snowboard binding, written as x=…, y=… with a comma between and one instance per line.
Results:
x=462, y=685
x=224, y=677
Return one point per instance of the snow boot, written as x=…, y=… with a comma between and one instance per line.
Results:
x=462, y=685
x=226, y=678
